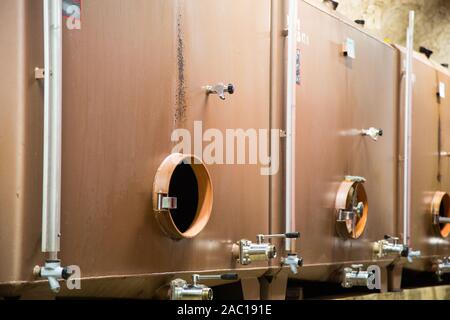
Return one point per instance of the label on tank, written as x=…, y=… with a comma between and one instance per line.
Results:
x=72, y=11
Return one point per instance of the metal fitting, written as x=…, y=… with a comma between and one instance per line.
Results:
x=390, y=246
x=245, y=251
x=53, y=272
x=220, y=89
x=355, y=277
x=164, y=202
x=441, y=267
x=373, y=133
x=182, y=290
x=293, y=261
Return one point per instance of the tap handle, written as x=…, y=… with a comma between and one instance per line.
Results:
x=230, y=88
x=292, y=235
x=229, y=276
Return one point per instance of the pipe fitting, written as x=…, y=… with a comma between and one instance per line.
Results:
x=182, y=290
x=441, y=267
x=53, y=272
x=220, y=89
x=245, y=251
x=390, y=246
x=355, y=277
x=373, y=133
x=293, y=261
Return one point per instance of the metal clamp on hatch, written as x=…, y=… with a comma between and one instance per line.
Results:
x=246, y=252
x=441, y=267
x=390, y=246
x=53, y=272
x=355, y=276
x=373, y=133
x=164, y=202
x=181, y=290
x=352, y=207
x=220, y=89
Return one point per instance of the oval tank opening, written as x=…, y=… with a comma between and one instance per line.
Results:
x=182, y=196
x=444, y=211
x=184, y=187
x=352, y=210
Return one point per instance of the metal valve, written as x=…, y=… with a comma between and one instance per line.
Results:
x=293, y=261
x=441, y=267
x=181, y=290
x=245, y=251
x=355, y=276
x=53, y=272
x=373, y=133
x=390, y=245
x=220, y=89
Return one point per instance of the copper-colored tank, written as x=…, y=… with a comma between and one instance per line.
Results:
x=429, y=177
x=337, y=97
x=132, y=74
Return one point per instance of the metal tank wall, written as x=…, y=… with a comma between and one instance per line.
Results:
x=429, y=175
x=338, y=97
x=132, y=74
x=20, y=138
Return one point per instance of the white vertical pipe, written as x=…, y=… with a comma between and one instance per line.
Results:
x=51, y=202
x=290, y=119
x=408, y=131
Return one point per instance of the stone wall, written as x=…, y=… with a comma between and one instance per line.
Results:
x=389, y=18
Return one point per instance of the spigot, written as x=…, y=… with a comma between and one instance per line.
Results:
x=293, y=261
x=441, y=267
x=182, y=290
x=220, y=89
x=413, y=254
x=245, y=251
x=356, y=276
x=390, y=245
x=373, y=133
x=53, y=272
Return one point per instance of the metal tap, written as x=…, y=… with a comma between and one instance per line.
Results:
x=245, y=251
x=220, y=89
x=182, y=290
x=441, y=267
x=373, y=133
x=293, y=261
x=390, y=245
x=53, y=272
